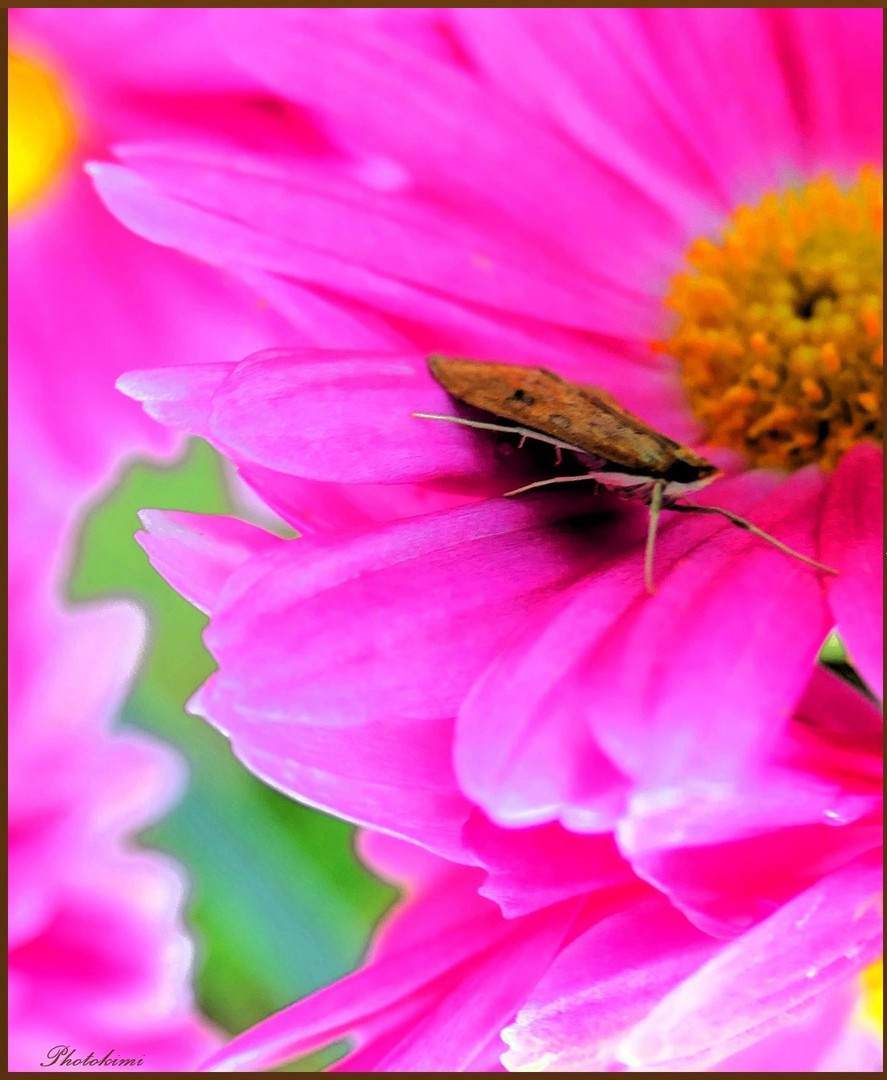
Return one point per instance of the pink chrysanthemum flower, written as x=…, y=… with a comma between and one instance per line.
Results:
x=681, y=207
x=759, y=830
x=99, y=963
x=446, y=235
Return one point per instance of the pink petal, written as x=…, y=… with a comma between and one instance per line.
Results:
x=440, y=593
x=435, y=891
x=330, y=226
x=433, y=139
x=823, y=1040
x=834, y=64
x=465, y=974
x=601, y=984
x=319, y=506
x=728, y=852
x=498, y=276
x=723, y=66
x=746, y=619
x=400, y=986
x=116, y=303
x=389, y=765
x=532, y=868
x=431, y=321
x=197, y=553
x=312, y=413
x=523, y=750
x=571, y=69
x=489, y=1058
x=411, y=868
x=98, y=956
x=391, y=773
x=851, y=536
x=180, y=397
x=480, y=1000
x=530, y=705
x=181, y=54
x=838, y=735
x=857, y=1048
x=724, y=888
x=373, y=1046
x=776, y=971
x=321, y=411
x=195, y=398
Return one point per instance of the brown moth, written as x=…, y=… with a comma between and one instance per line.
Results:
x=619, y=451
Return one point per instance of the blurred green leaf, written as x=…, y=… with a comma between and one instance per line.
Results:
x=834, y=656
x=280, y=905
x=833, y=651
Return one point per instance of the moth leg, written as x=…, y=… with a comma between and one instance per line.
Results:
x=638, y=491
x=655, y=510
x=525, y=433
x=545, y=483
x=688, y=508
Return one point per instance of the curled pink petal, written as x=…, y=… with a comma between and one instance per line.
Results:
x=532, y=868
x=179, y=397
x=197, y=553
x=320, y=411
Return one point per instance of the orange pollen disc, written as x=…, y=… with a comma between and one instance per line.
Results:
x=778, y=325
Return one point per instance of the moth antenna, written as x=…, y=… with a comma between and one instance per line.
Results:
x=545, y=483
x=655, y=511
x=525, y=433
x=743, y=524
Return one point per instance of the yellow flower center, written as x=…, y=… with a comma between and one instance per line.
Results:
x=779, y=325
x=871, y=1007
x=41, y=130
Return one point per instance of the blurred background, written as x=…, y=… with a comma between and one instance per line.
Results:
x=279, y=903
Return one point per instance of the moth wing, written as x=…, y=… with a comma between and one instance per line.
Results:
x=606, y=398
x=601, y=394
x=585, y=418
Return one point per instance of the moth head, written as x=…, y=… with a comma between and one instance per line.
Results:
x=689, y=471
